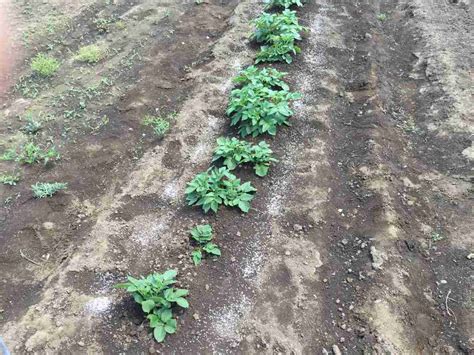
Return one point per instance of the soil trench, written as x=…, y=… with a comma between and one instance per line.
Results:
x=358, y=241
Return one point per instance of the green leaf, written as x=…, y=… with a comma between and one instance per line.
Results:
x=244, y=206
x=170, y=326
x=182, y=302
x=166, y=315
x=159, y=333
x=170, y=275
x=154, y=320
x=148, y=305
x=261, y=170
x=197, y=257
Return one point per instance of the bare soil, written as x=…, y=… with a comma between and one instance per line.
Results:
x=360, y=240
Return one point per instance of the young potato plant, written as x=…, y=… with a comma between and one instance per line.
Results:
x=47, y=189
x=219, y=186
x=257, y=109
x=267, y=77
x=235, y=152
x=282, y=3
x=202, y=235
x=157, y=297
x=279, y=32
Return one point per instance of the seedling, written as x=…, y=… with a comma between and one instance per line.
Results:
x=282, y=3
x=219, y=186
x=90, y=54
x=160, y=125
x=9, y=179
x=158, y=298
x=202, y=235
x=257, y=109
x=382, y=17
x=44, y=66
x=235, y=152
x=47, y=189
x=267, y=77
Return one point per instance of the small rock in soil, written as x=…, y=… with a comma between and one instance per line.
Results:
x=377, y=258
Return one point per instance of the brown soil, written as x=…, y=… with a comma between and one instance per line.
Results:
x=359, y=240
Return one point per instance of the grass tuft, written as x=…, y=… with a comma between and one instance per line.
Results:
x=44, y=66
x=90, y=54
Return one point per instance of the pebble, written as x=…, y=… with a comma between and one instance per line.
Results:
x=81, y=343
x=48, y=225
x=287, y=253
x=335, y=350
x=470, y=256
x=297, y=227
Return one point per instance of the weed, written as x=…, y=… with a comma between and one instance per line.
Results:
x=90, y=54
x=9, y=154
x=257, y=109
x=382, y=17
x=44, y=66
x=47, y=189
x=282, y=3
x=279, y=32
x=31, y=153
x=436, y=237
x=219, y=186
x=120, y=25
x=28, y=87
x=157, y=297
x=32, y=126
x=235, y=152
x=202, y=235
x=268, y=77
x=160, y=125
x=9, y=179
x=103, y=24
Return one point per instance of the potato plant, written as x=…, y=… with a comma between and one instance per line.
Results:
x=158, y=298
x=236, y=152
x=219, y=186
x=202, y=236
x=282, y=3
x=279, y=33
x=257, y=109
x=268, y=77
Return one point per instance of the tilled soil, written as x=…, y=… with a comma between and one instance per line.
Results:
x=358, y=241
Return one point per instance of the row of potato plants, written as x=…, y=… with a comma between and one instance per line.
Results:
x=258, y=105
